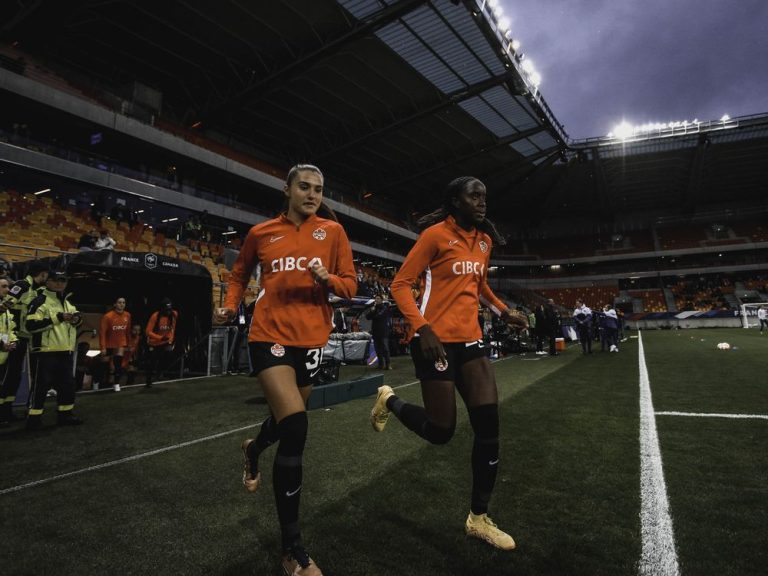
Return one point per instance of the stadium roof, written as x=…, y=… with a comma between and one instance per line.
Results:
x=393, y=97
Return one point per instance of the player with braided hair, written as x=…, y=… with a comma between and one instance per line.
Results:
x=451, y=257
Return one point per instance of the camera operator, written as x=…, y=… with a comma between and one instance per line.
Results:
x=53, y=320
x=381, y=324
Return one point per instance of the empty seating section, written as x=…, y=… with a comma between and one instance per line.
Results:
x=702, y=294
x=681, y=237
x=751, y=230
x=593, y=296
x=652, y=299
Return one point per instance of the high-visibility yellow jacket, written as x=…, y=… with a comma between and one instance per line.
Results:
x=7, y=333
x=19, y=296
x=50, y=333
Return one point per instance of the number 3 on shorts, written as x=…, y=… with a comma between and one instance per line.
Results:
x=315, y=355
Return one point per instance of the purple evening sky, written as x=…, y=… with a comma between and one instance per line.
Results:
x=602, y=61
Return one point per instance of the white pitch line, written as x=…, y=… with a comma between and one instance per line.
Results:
x=658, y=556
x=124, y=460
x=712, y=415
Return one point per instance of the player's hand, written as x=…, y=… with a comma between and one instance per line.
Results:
x=223, y=315
x=515, y=319
x=320, y=273
x=430, y=344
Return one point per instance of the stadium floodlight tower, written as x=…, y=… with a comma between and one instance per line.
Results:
x=749, y=314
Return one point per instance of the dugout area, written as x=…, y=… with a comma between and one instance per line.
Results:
x=97, y=278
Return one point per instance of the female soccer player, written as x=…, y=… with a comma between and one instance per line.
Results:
x=447, y=350
x=114, y=340
x=302, y=257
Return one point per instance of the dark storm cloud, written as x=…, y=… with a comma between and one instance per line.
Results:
x=645, y=61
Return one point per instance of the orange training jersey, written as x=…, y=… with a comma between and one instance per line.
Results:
x=114, y=330
x=161, y=329
x=455, y=263
x=291, y=308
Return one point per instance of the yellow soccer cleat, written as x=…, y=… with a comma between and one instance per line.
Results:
x=380, y=412
x=250, y=481
x=480, y=526
x=298, y=563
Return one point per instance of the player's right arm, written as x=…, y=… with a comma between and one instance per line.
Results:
x=246, y=261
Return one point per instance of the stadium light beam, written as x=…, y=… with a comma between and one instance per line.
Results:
x=42, y=191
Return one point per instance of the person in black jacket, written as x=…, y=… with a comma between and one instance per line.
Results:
x=551, y=325
x=381, y=323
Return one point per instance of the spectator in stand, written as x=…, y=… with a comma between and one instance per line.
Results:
x=762, y=316
x=53, y=321
x=582, y=316
x=105, y=241
x=381, y=322
x=113, y=340
x=87, y=241
x=161, y=336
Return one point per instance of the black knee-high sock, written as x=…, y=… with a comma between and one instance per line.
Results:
x=117, y=362
x=414, y=418
x=268, y=435
x=287, y=476
x=485, y=454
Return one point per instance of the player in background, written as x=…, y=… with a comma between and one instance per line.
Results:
x=114, y=340
x=302, y=257
x=451, y=256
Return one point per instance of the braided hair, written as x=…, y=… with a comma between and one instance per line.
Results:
x=454, y=188
x=324, y=211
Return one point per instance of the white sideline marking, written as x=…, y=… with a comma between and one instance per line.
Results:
x=124, y=460
x=153, y=452
x=658, y=556
x=703, y=415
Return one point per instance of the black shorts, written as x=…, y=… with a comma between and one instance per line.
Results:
x=456, y=353
x=305, y=361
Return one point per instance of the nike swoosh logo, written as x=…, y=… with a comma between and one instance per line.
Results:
x=312, y=374
x=289, y=494
x=275, y=239
x=493, y=462
x=452, y=242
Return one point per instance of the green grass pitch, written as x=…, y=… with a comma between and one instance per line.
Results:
x=170, y=500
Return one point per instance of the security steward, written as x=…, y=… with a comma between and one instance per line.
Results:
x=8, y=336
x=53, y=320
x=19, y=296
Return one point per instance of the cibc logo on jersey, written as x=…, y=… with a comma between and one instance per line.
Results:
x=288, y=263
x=468, y=267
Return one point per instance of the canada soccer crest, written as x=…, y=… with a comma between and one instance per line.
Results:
x=483, y=246
x=319, y=234
x=277, y=350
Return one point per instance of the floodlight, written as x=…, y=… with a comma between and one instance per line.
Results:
x=515, y=45
x=623, y=130
x=504, y=23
